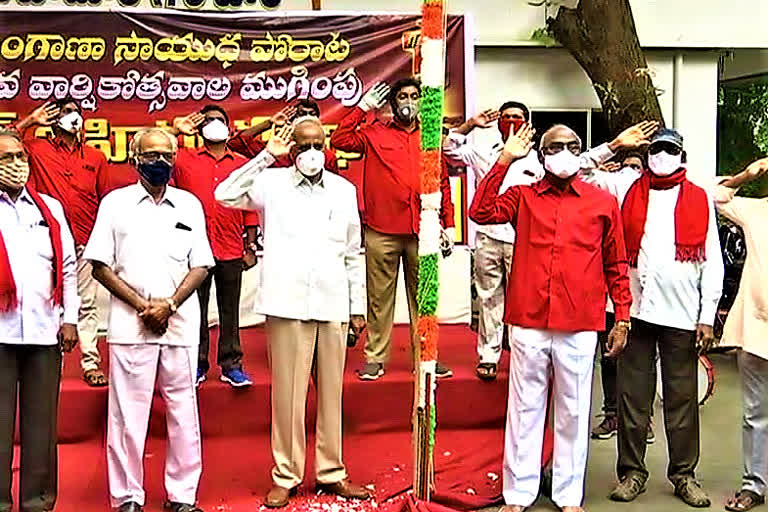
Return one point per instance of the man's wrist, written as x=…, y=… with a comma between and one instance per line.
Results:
x=624, y=324
x=172, y=305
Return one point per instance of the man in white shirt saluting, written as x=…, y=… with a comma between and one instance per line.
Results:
x=676, y=275
x=312, y=286
x=150, y=250
x=38, y=320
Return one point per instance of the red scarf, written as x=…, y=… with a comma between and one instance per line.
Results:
x=691, y=215
x=8, y=293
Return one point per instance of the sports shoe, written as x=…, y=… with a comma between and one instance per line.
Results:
x=607, y=428
x=200, y=377
x=690, y=491
x=236, y=378
x=371, y=371
x=442, y=372
x=629, y=488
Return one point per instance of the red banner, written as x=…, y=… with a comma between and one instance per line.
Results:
x=131, y=69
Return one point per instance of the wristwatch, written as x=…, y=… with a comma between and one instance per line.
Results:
x=172, y=305
x=253, y=247
x=625, y=323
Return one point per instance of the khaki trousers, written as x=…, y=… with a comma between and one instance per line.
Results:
x=295, y=347
x=382, y=260
x=493, y=263
x=88, y=319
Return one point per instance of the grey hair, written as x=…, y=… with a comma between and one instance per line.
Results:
x=557, y=127
x=308, y=119
x=10, y=133
x=139, y=135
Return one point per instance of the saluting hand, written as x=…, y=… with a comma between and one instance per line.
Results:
x=45, y=114
x=188, y=124
x=485, y=118
x=282, y=117
x=635, y=136
x=519, y=144
x=281, y=142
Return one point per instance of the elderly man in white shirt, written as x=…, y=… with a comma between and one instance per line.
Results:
x=150, y=250
x=676, y=275
x=312, y=286
x=38, y=320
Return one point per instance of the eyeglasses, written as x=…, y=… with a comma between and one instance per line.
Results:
x=7, y=158
x=556, y=147
x=667, y=147
x=310, y=145
x=154, y=156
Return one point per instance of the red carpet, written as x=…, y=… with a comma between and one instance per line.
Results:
x=236, y=423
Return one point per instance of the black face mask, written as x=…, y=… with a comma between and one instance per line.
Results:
x=156, y=173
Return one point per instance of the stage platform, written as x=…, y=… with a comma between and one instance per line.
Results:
x=236, y=426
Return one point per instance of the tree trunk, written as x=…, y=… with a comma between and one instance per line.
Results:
x=601, y=36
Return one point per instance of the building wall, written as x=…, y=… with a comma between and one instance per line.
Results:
x=550, y=79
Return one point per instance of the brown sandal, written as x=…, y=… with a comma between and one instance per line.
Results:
x=95, y=378
x=487, y=371
x=744, y=500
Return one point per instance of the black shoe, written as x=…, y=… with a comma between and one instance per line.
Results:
x=173, y=506
x=442, y=372
x=130, y=506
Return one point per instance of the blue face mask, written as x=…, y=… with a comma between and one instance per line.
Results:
x=156, y=173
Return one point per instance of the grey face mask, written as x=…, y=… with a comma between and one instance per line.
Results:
x=406, y=110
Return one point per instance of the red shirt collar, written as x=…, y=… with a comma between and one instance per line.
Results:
x=228, y=153
x=576, y=185
x=60, y=144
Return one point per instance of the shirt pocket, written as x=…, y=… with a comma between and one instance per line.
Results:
x=85, y=179
x=180, y=245
x=40, y=234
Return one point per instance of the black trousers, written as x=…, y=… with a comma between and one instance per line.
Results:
x=609, y=373
x=677, y=351
x=229, y=278
x=32, y=373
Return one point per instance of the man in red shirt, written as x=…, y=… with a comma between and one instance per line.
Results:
x=75, y=174
x=249, y=142
x=390, y=190
x=199, y=171
x=569, y=250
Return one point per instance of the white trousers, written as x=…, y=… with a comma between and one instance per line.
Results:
x=493, y=262
x=536, y=356
x=134, y=370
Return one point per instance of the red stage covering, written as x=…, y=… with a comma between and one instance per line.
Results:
x=236, y=424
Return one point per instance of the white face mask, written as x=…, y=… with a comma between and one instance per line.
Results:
x=215, y=131
x=664, y=164
x=72, y=122
x=310, y=162
x=14, y=174
x=563, y=164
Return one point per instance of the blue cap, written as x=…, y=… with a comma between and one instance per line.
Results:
x=668, y=135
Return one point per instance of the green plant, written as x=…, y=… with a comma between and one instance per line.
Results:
x=743, y=130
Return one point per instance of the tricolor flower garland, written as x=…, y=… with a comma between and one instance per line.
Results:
x=432, y=81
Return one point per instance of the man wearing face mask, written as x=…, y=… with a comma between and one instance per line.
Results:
x=312, y=287
x=38, y=316
x=569, y=250
x=494, y=243
x=150, y=250
x=250, y=142
x=676, y=273
x=75, y=174
x=199, y=171
x=391, y=204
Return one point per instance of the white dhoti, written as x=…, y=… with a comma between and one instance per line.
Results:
x=134, y=369
x=536, y=356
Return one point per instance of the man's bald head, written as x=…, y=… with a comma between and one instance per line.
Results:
x=308, y=132
x=559, y=133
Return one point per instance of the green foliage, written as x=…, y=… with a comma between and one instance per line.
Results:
x=743, y=130
x=543, y=35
